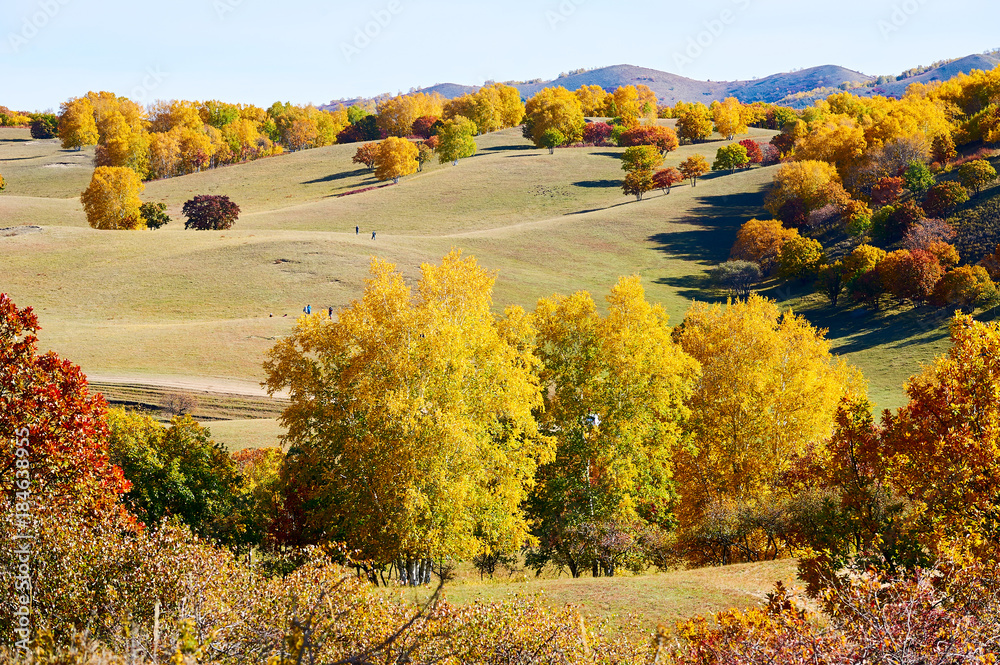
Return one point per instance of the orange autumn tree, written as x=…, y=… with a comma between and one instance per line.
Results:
x=410, y=425
x=943, y=448
x=761, y=241
x=366, y=154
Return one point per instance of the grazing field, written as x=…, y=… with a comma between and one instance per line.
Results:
x=634, y=605
x=183, y=304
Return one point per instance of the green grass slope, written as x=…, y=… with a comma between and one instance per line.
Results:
x=210, y=304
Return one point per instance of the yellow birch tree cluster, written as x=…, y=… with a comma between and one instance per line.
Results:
x=422, y=425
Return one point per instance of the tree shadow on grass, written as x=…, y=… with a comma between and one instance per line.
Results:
x=598, y=183
x=695, y=287
x=508, y=148
x=853, y=329
x=713, y=226
x=337, y=176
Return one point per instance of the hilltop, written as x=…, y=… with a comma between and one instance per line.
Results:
x=671, y=88
x=797, y=89
x=942, y=73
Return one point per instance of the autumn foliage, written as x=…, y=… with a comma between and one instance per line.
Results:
x=210, y=212
x=663, y=138
x=46, y=402
x=396, y=158
x=112, y=201
x=437, y=387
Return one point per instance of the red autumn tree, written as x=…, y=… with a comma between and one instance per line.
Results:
x=754, y=152
x=47, y=410
x=424, y=126
x=663, y=139
x=887, y=190
x=664, y=179
x=597, y=132
x=210, y=212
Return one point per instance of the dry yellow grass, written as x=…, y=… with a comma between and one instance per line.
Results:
x=635, y=605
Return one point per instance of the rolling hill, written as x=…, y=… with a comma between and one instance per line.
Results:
x=671, y=88
x=786, y=88
x=942, y=73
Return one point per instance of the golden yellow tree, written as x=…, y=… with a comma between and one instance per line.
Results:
x=165, y=116
x=837, y=140
x=694, y=123
x=112, y=200
x=814, y=183
x=768, y=391
x=728, y=118
x=196, y=149
x=593, y=100
x=554, y=108
x=511, y=106
x=396, y=115
x=164, y=154
x=693, y=168
x=396, y=157
x=410, y=424
x=123, y=143
x=627, y=105
x=615, y=400
x=77, y=127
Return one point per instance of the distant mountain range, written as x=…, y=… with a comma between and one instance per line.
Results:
x=798, y=89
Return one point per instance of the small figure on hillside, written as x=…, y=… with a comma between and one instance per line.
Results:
x=308, y=309
x=357, y=230
x=330, y=311
x=270, y=316
x=373, y=235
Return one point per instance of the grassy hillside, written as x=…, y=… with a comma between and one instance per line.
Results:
x=176, y=303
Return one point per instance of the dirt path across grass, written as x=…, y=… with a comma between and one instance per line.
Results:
x=187, y=383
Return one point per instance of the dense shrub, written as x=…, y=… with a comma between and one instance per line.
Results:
x=943, y=198
x=737, y=277
x=597, y=133
x=45, y=126
x=209, y=212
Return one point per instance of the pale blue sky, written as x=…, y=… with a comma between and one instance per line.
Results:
x=261, y=51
